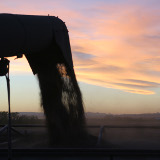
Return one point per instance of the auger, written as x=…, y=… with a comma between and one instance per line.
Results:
x=45, y=42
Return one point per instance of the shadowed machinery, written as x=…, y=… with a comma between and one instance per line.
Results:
x=44, y=41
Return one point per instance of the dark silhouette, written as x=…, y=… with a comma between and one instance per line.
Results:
x=45, y=42
x=61, y=98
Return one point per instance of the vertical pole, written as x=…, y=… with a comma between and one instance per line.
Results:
x=100, y=135
x=9, y=118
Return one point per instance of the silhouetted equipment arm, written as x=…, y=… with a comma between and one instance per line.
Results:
x=45, y=42
x=30, y=34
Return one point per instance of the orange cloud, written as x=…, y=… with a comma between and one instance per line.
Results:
x=118, y=47
x=127, y=47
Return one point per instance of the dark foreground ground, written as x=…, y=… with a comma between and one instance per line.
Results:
x=119, y=140
x=116, y=134
x=81, y=154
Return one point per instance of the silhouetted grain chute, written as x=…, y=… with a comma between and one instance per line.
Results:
x=45, y=43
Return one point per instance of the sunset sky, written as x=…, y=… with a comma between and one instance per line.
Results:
x=116, y=54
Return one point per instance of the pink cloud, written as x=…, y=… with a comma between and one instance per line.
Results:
x=123, y=41
x=131, y=43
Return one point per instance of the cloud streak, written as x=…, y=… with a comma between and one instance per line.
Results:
x=114, y=45
x=127, y=39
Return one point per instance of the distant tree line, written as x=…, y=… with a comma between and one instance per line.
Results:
x=19, y=119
